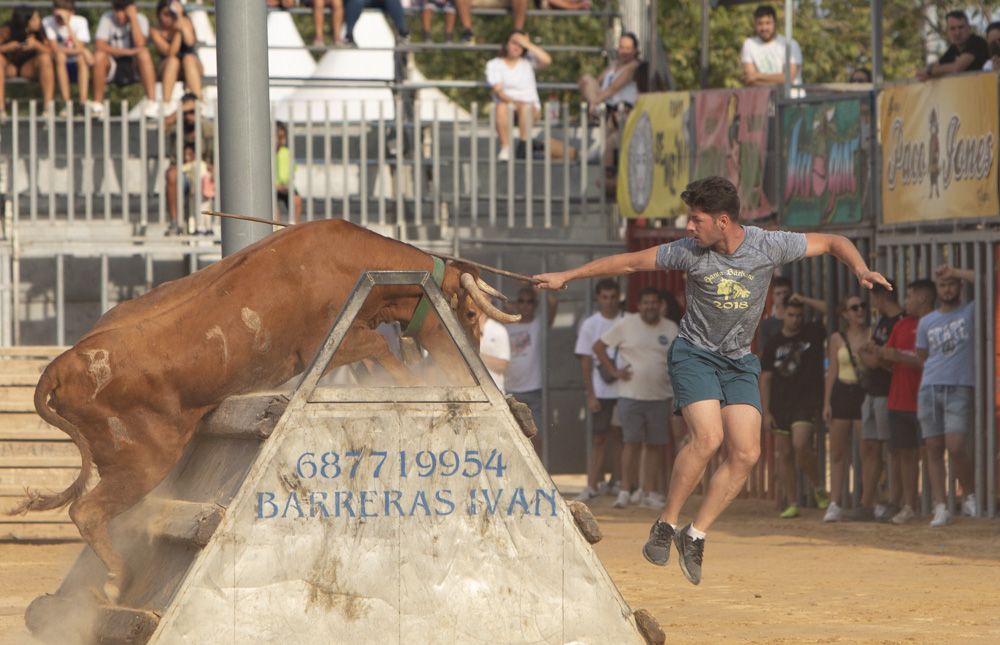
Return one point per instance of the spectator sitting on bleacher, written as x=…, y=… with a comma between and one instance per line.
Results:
x=448, y=8
x=993, y=42
x=189, y=133
x=284, y=168
x=511, y=77
x=968, y=51
x=565, y=5
x=68, y=35
x=393, y=9
x=336, y=22
x=280, y=4
x=861, y=75
x=122, y=57
x=175, y=41
x=25, y=53
x=616, y=90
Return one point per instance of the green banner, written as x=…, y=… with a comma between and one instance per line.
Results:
x=824, y=164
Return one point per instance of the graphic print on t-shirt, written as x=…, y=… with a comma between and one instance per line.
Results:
x=947, y=338
x=731, y=294
x=788, y=357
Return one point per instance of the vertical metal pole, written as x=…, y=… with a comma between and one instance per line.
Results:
x=474, y=163
x=981, y=321
x=565, y=165
x=789, y=9
x=456, y=178
x=60, y=300
x=703, y=56
x=292, y=154
x=435, y=163
x=245, y=156
x=345, y=160
x=327, y=157
x=217, y=201
x=182, y=209
x=70, y=175
x=143, y=174
x=363, y=191
x=547, y=168
x=15, y=150
x=584, y=183
x=125, y=190
x=529, y=171
x=544, y=349
x=418, y=167
x=309, y=163
x=109, y=166
x=50, y=124
x=491, y=151
x=33, y=159
x=400, y=149
x=381, y=163
x=876, y=9
x=510, y=164
x=105, y=270
x=161, y=167
x=991, y=348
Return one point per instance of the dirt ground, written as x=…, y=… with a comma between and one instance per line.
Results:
x=766, y=580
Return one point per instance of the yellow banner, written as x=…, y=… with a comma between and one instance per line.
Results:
x=939, y=149
x=654, y=166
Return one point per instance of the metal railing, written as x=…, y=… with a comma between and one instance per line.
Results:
x=381, y=162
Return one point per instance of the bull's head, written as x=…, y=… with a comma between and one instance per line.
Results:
x=473, y=301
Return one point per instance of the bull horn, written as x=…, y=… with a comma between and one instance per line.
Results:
x=489, y=290
x=484, y=303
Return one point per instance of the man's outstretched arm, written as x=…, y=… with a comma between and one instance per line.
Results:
x=844, y=250
x=612, y=265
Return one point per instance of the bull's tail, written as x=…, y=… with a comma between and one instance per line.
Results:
x=35, y=501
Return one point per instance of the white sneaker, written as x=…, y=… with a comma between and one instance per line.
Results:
x=904, y=515
x=636, y=496
x=151, y=109
x=504, y=154
x=586, y=495
x=833, y=513
x=622, y=500
x=96, y=109
x=941, y=516
x=881, y=511
x=652, y=500
x=969, y=508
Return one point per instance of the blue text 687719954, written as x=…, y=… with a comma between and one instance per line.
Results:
x=381, y=463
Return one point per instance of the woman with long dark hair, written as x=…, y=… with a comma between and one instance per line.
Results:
x=843, y=395
x=25, y=53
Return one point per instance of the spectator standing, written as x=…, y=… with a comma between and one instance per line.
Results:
x=121, y=56
x=494, y=349
x=189, y=133
x=791, y=386
x=392, y=9
x=781, y=292
x=763, y=54
x=175, y=40
x=945, y=403
x=645, y=400
x=844, y=396
x=25, y=53
x=968, y=52
x=336, y=22
x=993, y=43
x=900, y=351
x=68, y=35
x=600, y=386
x=875, y=410
x=511, y=77
x=712, y=371
x=524, y=373
x=284, y=168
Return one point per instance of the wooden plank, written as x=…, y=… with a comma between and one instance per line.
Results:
x=188, y=522
x=40, y=351
x=24, y=365
x=17, y=399
x=39, y=461
x=27, y=379
x=252, y=416
x=44, y=479
x=28, y=426
x=28, y=532
x=11, y=451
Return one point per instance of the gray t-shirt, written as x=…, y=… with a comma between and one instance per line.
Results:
x=726, y=293
x=949, y=340
x=116, y=35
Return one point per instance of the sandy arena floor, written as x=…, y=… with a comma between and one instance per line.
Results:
x=766, y=580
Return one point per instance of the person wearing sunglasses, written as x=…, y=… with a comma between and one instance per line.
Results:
x=714, y=375
x=524, y=376
x=843, y=396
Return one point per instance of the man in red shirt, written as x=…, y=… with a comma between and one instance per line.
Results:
x=904, y=429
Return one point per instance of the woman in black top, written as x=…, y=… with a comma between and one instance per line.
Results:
x=25, y=53
x=175, y=40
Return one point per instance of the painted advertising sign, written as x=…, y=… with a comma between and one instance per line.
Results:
x=731, y=141
x=655, y=156
x=939, y=149
x=824, y=164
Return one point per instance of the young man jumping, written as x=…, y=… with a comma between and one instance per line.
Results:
x=729, y=267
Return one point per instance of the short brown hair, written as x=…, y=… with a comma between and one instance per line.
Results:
x=713, y=195
x=68, y=5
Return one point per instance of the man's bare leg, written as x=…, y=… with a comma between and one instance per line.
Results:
x=704, y=421
x=741, y=425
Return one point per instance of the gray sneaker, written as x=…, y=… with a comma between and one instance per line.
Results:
x=690, y=552
x=657, y=547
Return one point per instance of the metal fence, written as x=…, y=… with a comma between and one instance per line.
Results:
x=384, y=163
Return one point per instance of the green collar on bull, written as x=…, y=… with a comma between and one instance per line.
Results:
x=420, y=313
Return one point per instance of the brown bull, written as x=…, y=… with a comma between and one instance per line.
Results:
x=132, y=391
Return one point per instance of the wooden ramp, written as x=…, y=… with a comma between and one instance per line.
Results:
x=33, y=454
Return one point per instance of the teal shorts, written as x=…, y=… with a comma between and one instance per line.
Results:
x=701, y=375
